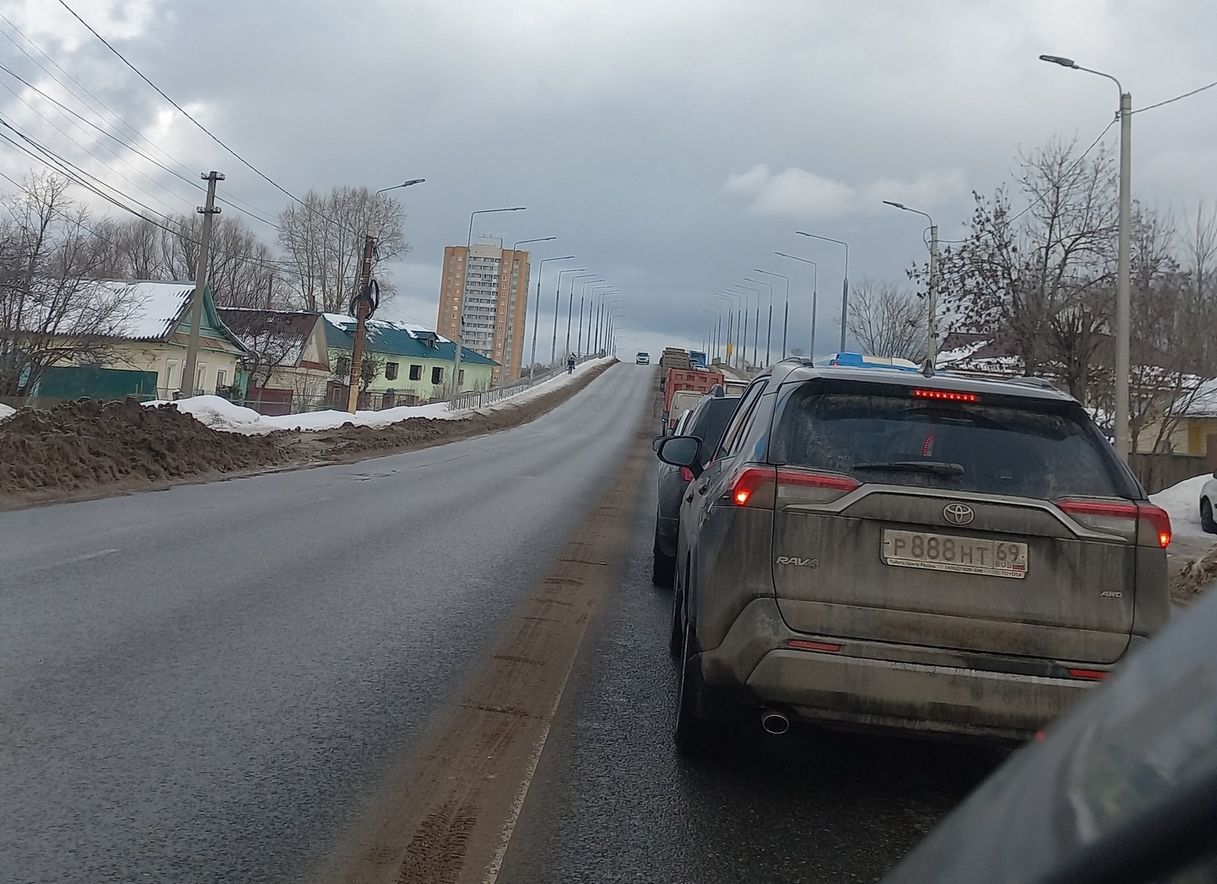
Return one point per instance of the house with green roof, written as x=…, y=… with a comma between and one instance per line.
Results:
x=412, y=365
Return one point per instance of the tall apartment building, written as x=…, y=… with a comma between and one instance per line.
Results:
x=496, y=301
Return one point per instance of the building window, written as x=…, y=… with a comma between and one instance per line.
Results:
x=461, y=378
x=200, y=383
x=344, y=367
x=171, y=375
x=390, y=371
x=221, y=379
x=437, y=375
x=416, y=372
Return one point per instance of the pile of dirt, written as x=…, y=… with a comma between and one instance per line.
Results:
x=1194, y=578
x=85, y=443
x=88, y=449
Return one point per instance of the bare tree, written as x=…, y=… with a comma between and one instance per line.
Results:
x=1036, y=280
x=323, y=243
x=51, y=309
x=887, y=320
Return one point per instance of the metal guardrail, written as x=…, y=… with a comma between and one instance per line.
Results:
x=482, y=398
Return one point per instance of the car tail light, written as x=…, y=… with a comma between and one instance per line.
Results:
x=799, y=644
x=1088, y=674
x=1151, y=523
x=753, y=487
x=686, y=475
x=811, y=487
x=945, y=395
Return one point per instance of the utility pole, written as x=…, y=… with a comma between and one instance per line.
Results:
x=363, y=308
x=932, y=296
x=208, y=211
x=1123, y=297
x=579, y=345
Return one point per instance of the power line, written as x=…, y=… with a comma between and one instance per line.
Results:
x=114, y=138
x=1176, y=98
x=203, y=128
x=56, y=127
x=114, y=201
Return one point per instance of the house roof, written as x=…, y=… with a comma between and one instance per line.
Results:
x=396, y=339
x=156, y=308
x=292, y=328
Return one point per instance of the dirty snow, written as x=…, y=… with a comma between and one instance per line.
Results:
x=220, y=414
x=1182, y=503
x=6, y=411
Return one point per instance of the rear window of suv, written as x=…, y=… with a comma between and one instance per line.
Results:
x=986, y=448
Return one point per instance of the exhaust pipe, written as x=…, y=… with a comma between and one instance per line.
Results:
x=774, y=722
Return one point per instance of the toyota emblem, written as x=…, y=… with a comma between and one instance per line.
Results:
x=958, y=513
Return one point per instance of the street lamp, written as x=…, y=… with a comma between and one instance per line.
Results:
x=756, y=324
x=815, y=280
x=786, y=316
x=514, y=248
x=740, y=324
x=931, y=289
x=727, y=349
x=570, y=303
x=769, y=331
x=460, y=316
x=600, y=292
x=553, y=351
x=363, y=309
x=590, y=307
x=407, y=183
x=582, y=299
x=536, y=313
x=844, y=282
x=1123, y=260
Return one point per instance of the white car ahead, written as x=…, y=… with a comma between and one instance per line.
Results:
x=1208, y=505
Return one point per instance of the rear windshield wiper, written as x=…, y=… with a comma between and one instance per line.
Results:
x=937, y=468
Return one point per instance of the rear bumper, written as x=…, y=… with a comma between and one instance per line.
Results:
x=755, y=664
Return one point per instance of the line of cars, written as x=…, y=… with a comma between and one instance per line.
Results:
x=868, y=547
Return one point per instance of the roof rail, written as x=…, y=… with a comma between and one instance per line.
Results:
x=1027, y=381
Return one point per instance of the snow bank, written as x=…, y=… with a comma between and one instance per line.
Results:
x=1182, y=503
x=6, y=411
x=220, y=414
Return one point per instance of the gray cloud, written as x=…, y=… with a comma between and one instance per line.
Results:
x=673, y=146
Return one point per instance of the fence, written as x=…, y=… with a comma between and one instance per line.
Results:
x=1159, y=471
x=482, y=398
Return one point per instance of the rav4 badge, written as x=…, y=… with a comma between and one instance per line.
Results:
x=798, y=562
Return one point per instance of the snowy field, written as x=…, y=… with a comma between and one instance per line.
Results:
x=220, y=414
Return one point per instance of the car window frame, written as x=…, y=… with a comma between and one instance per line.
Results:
x=743, y=415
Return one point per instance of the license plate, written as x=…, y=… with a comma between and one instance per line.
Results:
x=946, y=552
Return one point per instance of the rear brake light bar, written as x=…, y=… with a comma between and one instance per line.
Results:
x=945, y=395
x=1153, y=518
x=817, y=480
x=799, y=644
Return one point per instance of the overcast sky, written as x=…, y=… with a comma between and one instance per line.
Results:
x=672, y=146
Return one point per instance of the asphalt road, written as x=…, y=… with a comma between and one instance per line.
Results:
x=203, y=684
x=611, y=801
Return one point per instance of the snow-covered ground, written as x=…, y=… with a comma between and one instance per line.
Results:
x=220, y=414
x=6, y=411
x=1182, y=503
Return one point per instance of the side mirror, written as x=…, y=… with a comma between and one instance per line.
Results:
x=682, y=451
x=656, y=440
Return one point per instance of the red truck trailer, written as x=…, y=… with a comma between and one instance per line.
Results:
x=681, y=380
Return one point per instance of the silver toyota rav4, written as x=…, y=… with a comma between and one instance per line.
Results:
x=873, y=548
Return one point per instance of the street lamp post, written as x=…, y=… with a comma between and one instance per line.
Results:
x=515, y=247
x=363, y=309
x=570, y=303
x=734, y=339
x=603, y=292
x=756, y=322
x=553, y=351
x=815, y=279
x=844, y=281
x=460, y=314
x=931, y=288
x=726, y=349
x=1123, y=261
x=786, y=317
x=769, y=329
x=536, y=313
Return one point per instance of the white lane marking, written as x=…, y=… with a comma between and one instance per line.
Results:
x=517, y=804
x=83, y=558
